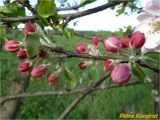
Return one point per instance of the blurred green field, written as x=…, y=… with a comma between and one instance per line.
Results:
x=99, y=105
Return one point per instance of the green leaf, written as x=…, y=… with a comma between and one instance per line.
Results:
x=46, y=8
x=21, y=11
x=138, y=71
x=44, y=21
x=67, y=33
x=2, y=30
x=85, y=2
x=44, y=41
x=152, y=59
x=120, y=10
x=12, y=10
x=71, y=77
x=31, y=42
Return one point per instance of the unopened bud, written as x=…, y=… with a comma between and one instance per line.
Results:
x=121, y=74
x=137, y=39
x=112, y=44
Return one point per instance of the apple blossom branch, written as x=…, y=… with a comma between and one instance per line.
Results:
x=70, y=54
x=67, y=17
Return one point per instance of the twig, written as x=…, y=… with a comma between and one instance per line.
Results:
x=19, y=19
x=80, y=97
x=70, y=8
x=28, y=5
x=63, y=92
x=70, y=54
x=91, y=11
x=64, y=16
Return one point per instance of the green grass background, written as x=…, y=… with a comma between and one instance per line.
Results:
x=99, y=105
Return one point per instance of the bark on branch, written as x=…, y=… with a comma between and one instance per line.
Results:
x=68, y=17
x=80, y=97
x=70, y=54
x=10, y=108
x=63, y=92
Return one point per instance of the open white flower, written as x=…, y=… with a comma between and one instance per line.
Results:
x=150, y=26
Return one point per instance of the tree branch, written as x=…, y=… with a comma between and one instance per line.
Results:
x=68, y=17
x=19, y=19
x=91, y=11
x=63, y=92
x=70, y=8
x=80, y=97
x=70, y=54
x=28, y=6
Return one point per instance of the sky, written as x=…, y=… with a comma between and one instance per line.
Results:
x=105, y=20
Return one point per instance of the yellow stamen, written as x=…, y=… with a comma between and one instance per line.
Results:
x=156, y=26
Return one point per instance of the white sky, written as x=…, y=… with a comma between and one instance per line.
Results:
x=104, y=20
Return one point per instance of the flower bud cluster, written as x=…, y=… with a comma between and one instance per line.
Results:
x=15, y=46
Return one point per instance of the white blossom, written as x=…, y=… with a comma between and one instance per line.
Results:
x=150, y=26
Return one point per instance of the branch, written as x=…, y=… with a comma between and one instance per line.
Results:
x=62, y=92
x=80, y=97
x=70, y=54
x=70, y=8
x=93, y=10
x=28, y=6
x=68, y=17
x=19, y=19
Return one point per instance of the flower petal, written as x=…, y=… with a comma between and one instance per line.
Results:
x=152, y=41
x=143, y=27
x=153, y=7
x=144, y=17
x=145, y=50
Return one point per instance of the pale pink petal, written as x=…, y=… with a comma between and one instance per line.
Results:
x=157, y=49
x=145, y=50
x=145, y=17
x=152, y=41
x=143, y=27
x=153, y=7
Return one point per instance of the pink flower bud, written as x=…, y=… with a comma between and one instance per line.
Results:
x=137, y=39
x=83, y=65
x=125, y=42
x=51, y=79
x=43, y=54
x=21, y=54
x=24, y=66
x=28, y=28
x=12, y=46
x=121, y=74
x=112, y=44
x=39, y=70
x=108, y=64
x=95, y=41
x=81, y=48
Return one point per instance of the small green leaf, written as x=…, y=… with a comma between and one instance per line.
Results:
x=44, y=41
x=138, y=71
x=31, y=42
x=44, y=21
x=20, y=11
x=71, y=77
x=2, y=30
x=46, y=8
x=85, y=2
x=67, y=33
x=12, y=10
x=152, y=59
